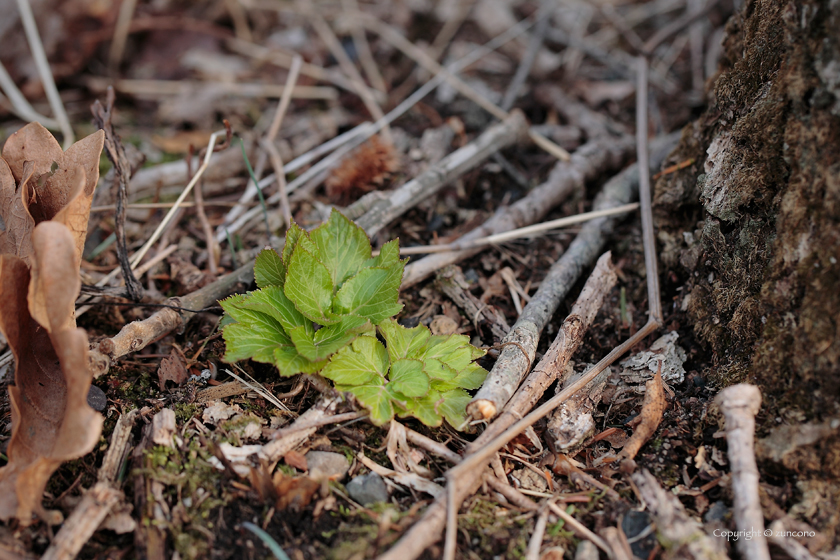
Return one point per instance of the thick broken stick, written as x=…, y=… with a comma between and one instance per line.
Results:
x=87, y=516
x=495, y=138
x=139, y=334
x=587, y=163
x=686, y=536
x=428, y=529
x=98, y=501
x=520, y=345
x=739, y=405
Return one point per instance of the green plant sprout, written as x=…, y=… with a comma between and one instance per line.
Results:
x=319, y=308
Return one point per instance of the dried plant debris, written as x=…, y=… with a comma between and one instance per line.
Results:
x=639, y=368
x=364, y=170
x=572, y=424
x=45, y=203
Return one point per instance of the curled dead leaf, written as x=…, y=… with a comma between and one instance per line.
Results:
x=45, y=196
x=648, y=420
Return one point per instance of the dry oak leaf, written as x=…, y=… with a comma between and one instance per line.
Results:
x=44, y=202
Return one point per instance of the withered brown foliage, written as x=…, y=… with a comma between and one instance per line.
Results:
x=362, y=171
x=45, y=197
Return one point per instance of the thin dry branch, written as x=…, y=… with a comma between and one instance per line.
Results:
x=353, y=138
x=408, y=48
x=116, y=153
x=83, y=522
x=516, y=357
x=99, y=500
x=323, y=408
x=495, y=138
x=39, y=56
x=739, y=405
x=428, y=529
x=139, y=334
x=587, y=163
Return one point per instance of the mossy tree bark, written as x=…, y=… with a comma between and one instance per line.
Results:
x=754, y=224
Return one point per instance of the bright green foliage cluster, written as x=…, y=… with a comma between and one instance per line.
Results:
x=316, y=310
x=325, y=278
x=417, y=375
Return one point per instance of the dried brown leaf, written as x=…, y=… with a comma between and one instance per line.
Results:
x=51, y=420
x=172, y=369
x=14, y=211
x=45, y=199
x=294, y=493
x=63, y=183
x=297, y=460
x=648, y=420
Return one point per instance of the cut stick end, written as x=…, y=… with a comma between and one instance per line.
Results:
x=481, y=409
x=740, y=396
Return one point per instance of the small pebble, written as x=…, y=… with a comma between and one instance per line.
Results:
x=96, y=398
x=325, y=465
x=368, y=489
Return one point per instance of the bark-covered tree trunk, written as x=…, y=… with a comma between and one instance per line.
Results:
x=753, y=226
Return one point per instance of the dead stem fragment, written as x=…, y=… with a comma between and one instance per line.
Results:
x=739, y=405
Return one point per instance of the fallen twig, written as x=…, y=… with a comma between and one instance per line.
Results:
x=451, y=282
x=519, y=232
x=739, y=405
x=514, y=360
x=99, y=500
x=83, y=522
x=393, y=37
x=138, y=334
x=535, y=544
x=685, y=535
x=447, y=170
x=33, y=37
x=581, y=530
x=353, y=138
x=587, y=163
x=323, y=408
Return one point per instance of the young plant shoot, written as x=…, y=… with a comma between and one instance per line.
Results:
x=319, y=308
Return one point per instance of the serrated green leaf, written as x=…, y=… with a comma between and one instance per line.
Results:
x=388, y=255
x=309, y=286
x=408, y=378
x=296, y=236
x=425, y=409
x=343, y=247
x=376, y=399
x=290, y=362
x=441, y=346
x=453, y=407
x=403, y=342
x=256, y=339
x=272, y=301
x=372, y=293
x=470, y=377
x=436, y=369
x=232, y=307
x=358, y=364
x=327, y=340
x=269, y=269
